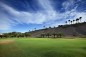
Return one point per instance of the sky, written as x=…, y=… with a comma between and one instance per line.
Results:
x=25, y=15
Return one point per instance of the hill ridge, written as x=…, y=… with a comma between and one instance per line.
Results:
x=74, y=30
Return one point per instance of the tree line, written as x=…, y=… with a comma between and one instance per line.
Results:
x=15, y=34
x=53, y=35
x=77, y=20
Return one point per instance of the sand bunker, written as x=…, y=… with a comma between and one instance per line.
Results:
x=6, y=41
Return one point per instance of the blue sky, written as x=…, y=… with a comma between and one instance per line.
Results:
x=25, y=15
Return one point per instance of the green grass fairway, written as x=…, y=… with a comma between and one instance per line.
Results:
x=42, y=47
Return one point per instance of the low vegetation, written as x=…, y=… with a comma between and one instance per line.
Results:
x=14, y=34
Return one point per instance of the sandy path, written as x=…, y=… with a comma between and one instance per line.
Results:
x=6, y=41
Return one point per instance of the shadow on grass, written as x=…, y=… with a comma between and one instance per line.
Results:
x=55, y=54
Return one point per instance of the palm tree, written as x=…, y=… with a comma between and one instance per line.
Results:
x=34, y=28
x=77, y=20
x=29, y=30
x=44, y=27
x=49, y=27
x=73, y=21
x=80, y=18
x=69, y=21
x=54, y=27
x=66, y=22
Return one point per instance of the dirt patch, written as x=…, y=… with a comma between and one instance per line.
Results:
x=6, y=41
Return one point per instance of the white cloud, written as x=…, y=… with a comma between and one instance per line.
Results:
x=47, y=16
x=34, y=18
x=5, y=22
x=68, y=4
x=46, y=5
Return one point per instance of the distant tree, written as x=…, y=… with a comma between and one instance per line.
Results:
x=29, y=30
x=77, y=20
x=1, y=35
x=48, y=35
x=73, y=21
x=66, y=22
x=80, y=18
x=49, y=27
x=69, y=21
x=54, y=35
x=14, y=34
x=44, y=27
x=42, y=35
x=60, y=25
x=34, y=28
x=26, y=34
x=6, y=35
x=22, y=35
x=60, y=35
x=54, y=27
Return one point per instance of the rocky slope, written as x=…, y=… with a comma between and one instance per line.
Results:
x=73, y=30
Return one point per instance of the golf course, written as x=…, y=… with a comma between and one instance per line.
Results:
x=42, y=28
x=42, y=47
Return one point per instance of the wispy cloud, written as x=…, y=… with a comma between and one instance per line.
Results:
x=48, y=16
x=46, y=4
x=26, y=17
